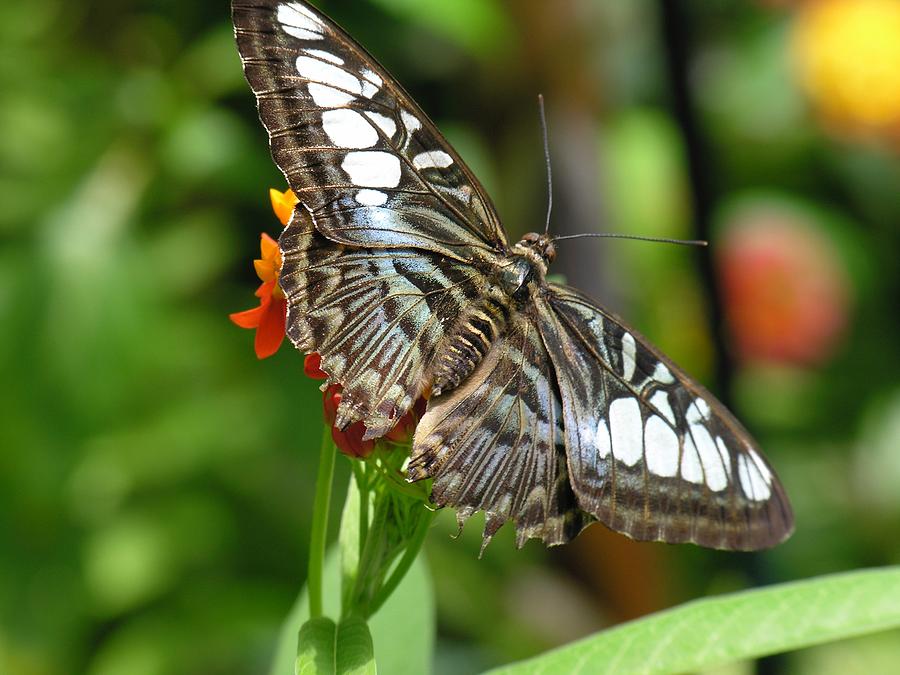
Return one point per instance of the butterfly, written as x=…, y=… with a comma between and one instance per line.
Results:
x=544, y=409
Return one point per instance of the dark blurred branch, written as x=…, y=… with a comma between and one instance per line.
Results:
x=701, y=168
x=677, y=41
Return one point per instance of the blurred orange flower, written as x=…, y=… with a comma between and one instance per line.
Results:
x=786, y=293
x=269, y=317
x=847, y=54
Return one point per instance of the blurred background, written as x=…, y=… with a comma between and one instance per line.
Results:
x=155, y=478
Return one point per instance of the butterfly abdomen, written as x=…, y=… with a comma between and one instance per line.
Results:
x=476, y=330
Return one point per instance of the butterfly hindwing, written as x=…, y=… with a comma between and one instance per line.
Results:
x=496, y=443
x=367, y=163
x=651, y=453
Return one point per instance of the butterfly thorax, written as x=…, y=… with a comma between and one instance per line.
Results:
x=518, y=277
x=523, y=271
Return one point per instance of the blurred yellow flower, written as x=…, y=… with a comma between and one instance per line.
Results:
x=847, y=54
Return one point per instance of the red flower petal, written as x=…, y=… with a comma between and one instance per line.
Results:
x=350, y=441
x=249, y=318
x=312, y=367
x=330, y=402
x=265, y=291
x=270, y=333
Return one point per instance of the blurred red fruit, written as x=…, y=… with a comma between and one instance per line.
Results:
x=784, y=287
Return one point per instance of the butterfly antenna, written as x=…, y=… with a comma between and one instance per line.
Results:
x=659, y=240
x=546, y=161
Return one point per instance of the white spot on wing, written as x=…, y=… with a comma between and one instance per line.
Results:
x=703, y=407
x=299, y=21
x=660, y=401
x=661, y=445
x=316, y=70
x=752, y=482
x=627, y=430
x=349, y=129
x=764, y=488
x=662, y=374
x=693, y=414
x=371, y=197
x=629, y=356
x=327, y=56
x=434, y=159
x=383, y=122
x=411, y=122
x=604, y=444
x=724, y=454
x=716, y=478
x=373, y=78
x=691, y=469
x=372, y=169
x=329, y=97
x=368, y=89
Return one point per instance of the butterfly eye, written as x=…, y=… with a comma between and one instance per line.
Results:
x=550, y=252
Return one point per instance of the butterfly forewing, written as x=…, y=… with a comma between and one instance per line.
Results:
x=368, y=164
x=651, y=453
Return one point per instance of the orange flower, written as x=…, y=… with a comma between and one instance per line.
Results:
x=269, y=317
x=283, y=204
x=350, y=440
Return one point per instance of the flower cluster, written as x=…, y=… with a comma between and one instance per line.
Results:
x=269, y=321
x=269, y=317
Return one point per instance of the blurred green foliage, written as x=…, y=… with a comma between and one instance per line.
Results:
x=155, y=478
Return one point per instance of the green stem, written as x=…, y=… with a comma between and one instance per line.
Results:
x=320, y=524
x=362, y=483
x=409, y=557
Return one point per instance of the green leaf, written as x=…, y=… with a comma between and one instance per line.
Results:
x=349, y=542
x=328, y=649
x=315, y=647
x=716, y=631
x=402, y=630
x=354, y=648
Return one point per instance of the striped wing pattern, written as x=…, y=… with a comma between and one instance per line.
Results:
x=497, y=444
x=367, y=163
x=559, y=414
x=375, y=316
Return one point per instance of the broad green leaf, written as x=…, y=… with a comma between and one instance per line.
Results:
x=354, y=649
x=716, y=631
x=402, y=630
x=315, y=647
x=328, y=649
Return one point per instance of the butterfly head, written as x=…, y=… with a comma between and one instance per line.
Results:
x=539, y=246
